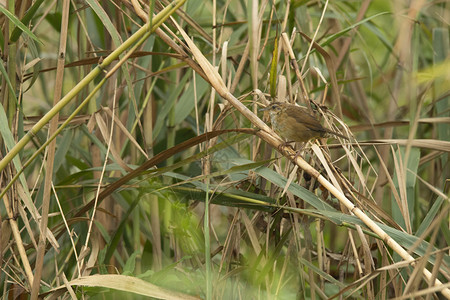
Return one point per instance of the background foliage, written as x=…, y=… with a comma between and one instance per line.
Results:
x=221, y=216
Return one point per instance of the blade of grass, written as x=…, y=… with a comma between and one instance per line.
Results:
x=158, y=20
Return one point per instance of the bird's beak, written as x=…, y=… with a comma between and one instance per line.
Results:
x=264, y=108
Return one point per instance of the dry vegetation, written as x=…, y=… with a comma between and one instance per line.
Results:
x=135, y=162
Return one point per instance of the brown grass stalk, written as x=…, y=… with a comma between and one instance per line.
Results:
x=275, y=141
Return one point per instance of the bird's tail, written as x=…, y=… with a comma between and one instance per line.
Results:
x=330, y=133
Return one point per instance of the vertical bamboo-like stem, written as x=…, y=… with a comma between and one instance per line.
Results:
x=12, y=48
x=207, y=170
x=51, y=153
x=273, y=139
x=157, y=21
x=144, y=31
x=10, y=108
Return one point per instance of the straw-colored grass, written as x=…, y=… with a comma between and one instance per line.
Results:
x=135, y=161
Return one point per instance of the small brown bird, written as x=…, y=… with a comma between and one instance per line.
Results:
x=296, y=124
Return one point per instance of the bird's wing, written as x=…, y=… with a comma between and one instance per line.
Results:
x=303, y=116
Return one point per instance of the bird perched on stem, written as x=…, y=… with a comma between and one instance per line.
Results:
x=296, y=124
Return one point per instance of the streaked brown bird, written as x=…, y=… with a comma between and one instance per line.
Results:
x=296, y=124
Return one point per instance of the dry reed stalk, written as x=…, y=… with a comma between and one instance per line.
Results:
x=268, y=135
x=51, y=153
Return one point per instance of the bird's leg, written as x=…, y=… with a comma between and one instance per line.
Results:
x=285, y=144
x=297, y=154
